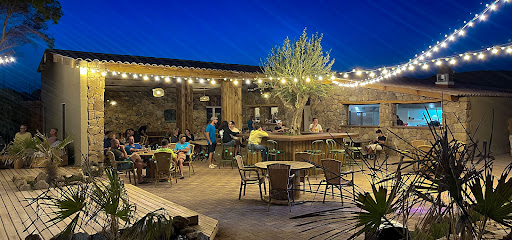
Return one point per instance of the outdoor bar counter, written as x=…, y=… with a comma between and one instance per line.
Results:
x=289, y=144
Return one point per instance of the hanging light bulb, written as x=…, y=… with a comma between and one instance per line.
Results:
x=332, y=77
x=495, y=50
x=453, y=61
x=212, y=81
x=283, y=81
x=135, y=76
x=425, y=66
x=438, y=62
x=436, y=48
x=443, y=44
x=167, y=79
x=451, y=38
x=385, y=71
x=509, y=50
x=372, y=74
x=124, y=75
x=345, y=75
x=429, y=54
x=248, y=82
x=320, y=78
x=461, y=33
x=493, y=7
x=308, y=79
x=201, y=80
x=481, y=56
x=157, y=78
x=178, y=79
x=114, y=73
x=482, y=18
x=358, y=73
x=103, y=74
x=467, y=57
x=295, y=80
x=145, y=77
x=235, y=82
x=259, y=80
x=190, y=81
x=270, y=78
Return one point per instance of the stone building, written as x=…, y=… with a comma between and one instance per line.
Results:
x=85, y=94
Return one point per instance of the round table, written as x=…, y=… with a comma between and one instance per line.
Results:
x=295, y=168
x=150, y=167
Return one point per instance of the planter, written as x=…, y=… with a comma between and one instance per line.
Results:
x=18, y=163
x=388, y=231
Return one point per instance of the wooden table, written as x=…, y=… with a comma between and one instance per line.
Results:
x=289, y=144
x=150, y=168
x=295, y=167
x=200, y=152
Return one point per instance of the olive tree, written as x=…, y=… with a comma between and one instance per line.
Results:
x=297, y=71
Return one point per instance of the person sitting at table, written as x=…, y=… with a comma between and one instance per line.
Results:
x=329, y=130
x=141, y=132
x=53, y=136
x=165, y=148
x=377, y=144
x=132, y=147
x=183, y=148
x=250, y=124
x=237, y=131
x=121, y=155
x=315, y=126
x=280, y=127
x=227, y=136
x=22, y=135
x=255, y=141
x=189, y=135
x=107, y=141
x=175, y=136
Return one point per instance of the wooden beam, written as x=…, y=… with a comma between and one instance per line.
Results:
x=231, y=102
x=175, y=71
x=425, y=93
x=184, y=107
x=262, y=105
x=390, y=101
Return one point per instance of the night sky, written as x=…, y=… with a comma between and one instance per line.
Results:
x=359, y=33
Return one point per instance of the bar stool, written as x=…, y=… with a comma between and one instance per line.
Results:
x=303, y=175
x=334, y=151
x=317, y=152
x=253, y=156
x=272, y=149
x=354, y=152
x=227, y=155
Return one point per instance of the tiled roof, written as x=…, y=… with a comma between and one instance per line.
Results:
x=151, y=61
x=477, y=83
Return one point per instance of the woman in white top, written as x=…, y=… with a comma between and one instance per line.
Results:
x=315, y=126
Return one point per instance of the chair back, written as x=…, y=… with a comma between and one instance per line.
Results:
x=272, y=145
x=331, y=144
x=239, y=162
x=111, y=160
x=172, y=146
x=163, y=162
x=143, y=140
x=303, y=156
x=423, y=149
x=416, y=143
x=317, y=146
x=279, y=176
x=192, y=147
x=332, y=171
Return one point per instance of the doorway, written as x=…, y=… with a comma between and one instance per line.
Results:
x=307, y=119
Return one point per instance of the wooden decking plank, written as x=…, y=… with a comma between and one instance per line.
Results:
x=9, y=231
x=25, y=195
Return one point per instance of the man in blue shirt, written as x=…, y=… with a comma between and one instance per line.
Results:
x=183, y=149
x=250, y=124
x=132, y=147
x=211, y=140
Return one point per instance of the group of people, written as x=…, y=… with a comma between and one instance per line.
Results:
x=24, y=134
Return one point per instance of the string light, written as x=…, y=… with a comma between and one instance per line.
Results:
x=453, y=61
x=103, y=74
x=248, y=82
x=201, y=80
x=495, y=50
x=212, y=81
x=235, y=82
x=145, y=77
x=259, y=80
x=135, y=76
x=283, y=81
x=124, y=75
x=157, y=78
x=178, y=79
x=190, y=81
x=481, y=56
x=425, y=66
x=167, y=79
x=308, y=79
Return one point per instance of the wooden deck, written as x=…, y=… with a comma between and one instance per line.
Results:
x=16, y=215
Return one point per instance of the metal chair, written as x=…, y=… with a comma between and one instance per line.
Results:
x=244, y=179
x=355, y=152
x=279, y=176
x=189, y=161
x=111, y=161
x=227, y=155
x=163, y=167
x=317, y=152
x=334, y=178
x=303, y=174
x=273, y=151
x=334, y=151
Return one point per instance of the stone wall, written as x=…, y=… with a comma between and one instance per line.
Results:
x=95, y=111
x=134, y=109
x=332, y=113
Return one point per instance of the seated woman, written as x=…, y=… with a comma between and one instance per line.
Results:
x=377, y=144
x=189, y=135
x=175, y=136
x=228, y=136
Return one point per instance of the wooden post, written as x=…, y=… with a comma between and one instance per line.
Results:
x=184, y=107
x=231, y=103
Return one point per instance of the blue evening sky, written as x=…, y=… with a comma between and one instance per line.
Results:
x=360, y=33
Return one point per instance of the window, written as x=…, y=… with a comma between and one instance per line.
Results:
x=170, y=115
x=367, y=115
x=418, y=114
x=213, y=112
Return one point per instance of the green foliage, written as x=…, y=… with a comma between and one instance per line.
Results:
x=374, y=210
x=437, y=230
x=154, y=225
x=24, y=21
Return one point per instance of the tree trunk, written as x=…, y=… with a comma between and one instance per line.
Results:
x=297, y=115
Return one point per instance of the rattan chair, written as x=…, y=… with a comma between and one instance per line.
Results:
x=111, y=161
x=279, y=176
x=244, y=179
x=334, y=178
x=163, y=162
x=189, y=161
x=273, y=151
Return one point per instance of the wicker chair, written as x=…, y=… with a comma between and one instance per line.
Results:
x=244, y=179
x=189, y=161
x=334, y=178
x=111, y=161
x=163, y=170
x=280, y=182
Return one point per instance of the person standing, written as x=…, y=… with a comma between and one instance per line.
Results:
x=255, y=141
x=315, y=126
x=250, y=124
x=211, y=140
x=22, y=135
